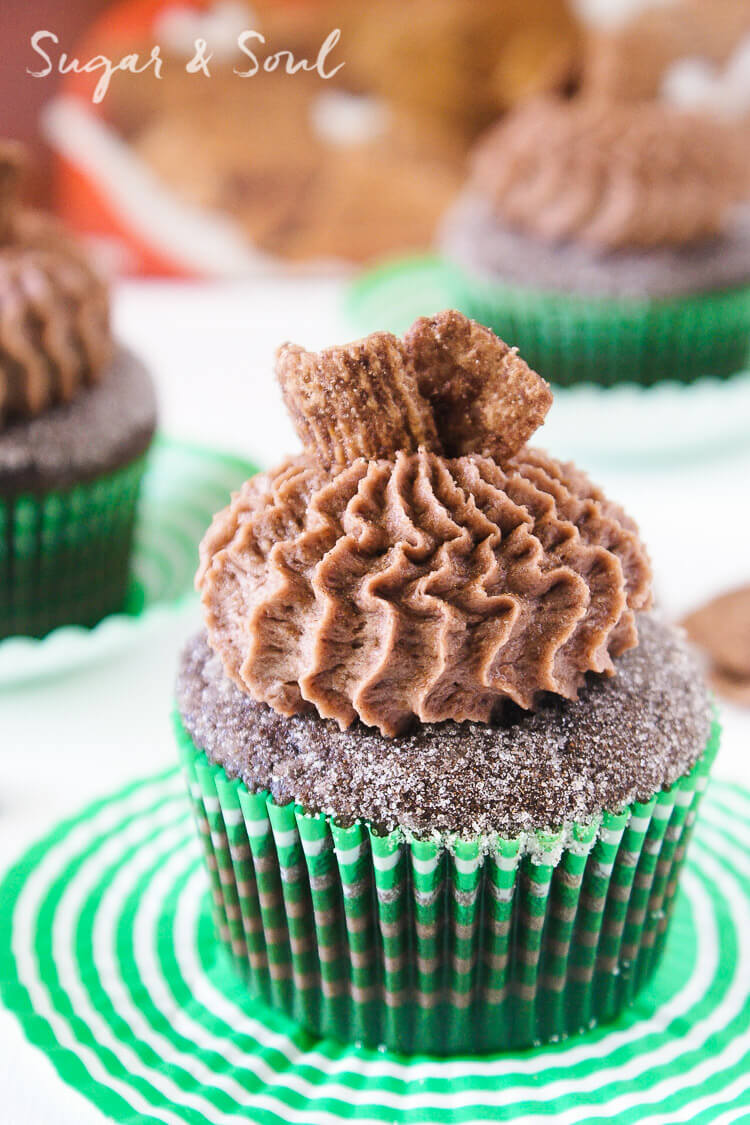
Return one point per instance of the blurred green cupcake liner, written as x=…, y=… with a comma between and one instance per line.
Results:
x=442, y=947
x=571, y=339
x=64, y=554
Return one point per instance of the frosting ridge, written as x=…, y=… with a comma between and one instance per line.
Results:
x=614, y=176
x=422, y=585
x=54, y=309
x=420, y=588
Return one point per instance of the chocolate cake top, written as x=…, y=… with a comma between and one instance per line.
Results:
x=472, y=236
x=55, y=335
x=622, y=740
x=418, y=562
x=94, y=433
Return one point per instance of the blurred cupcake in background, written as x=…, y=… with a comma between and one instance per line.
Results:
x=609, y=241
x=77, y=415
x=229, y=175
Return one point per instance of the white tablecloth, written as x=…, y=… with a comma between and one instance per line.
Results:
x=68, y=740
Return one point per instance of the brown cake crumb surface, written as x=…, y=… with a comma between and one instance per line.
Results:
x=623, y=739
x=103, y=427
x=472, y=236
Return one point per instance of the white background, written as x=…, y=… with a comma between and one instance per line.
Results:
x=70, y=739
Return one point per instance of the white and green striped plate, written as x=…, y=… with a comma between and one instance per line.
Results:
x=183, y=487
x=108, y=959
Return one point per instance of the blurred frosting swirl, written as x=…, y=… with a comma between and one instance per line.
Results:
x=421, y=583
x=629, y=175
x=55, y=335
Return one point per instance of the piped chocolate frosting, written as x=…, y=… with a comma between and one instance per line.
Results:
x=55, y=335
x=613, y=176
x=418, y=562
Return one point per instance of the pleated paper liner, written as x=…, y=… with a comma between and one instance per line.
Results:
x=571, y=339
x=660, y=409
x=110, y=963
x=84, y=569
x=65, y=554
x=471, y=947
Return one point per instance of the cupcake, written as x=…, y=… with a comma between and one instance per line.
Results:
x=609, y=241
x=77, y=416
x=444, y=759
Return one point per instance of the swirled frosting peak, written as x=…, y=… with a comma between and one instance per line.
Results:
x=418, y=562
x=615, y=176
x=54, y=310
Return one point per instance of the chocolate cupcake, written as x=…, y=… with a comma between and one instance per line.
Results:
x=444, y=760
x=77, y=415
x=609, y=241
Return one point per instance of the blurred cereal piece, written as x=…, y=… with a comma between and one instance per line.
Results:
x=721, y=628
x=736, y=689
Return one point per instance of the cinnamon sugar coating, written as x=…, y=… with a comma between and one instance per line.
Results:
x=450, y=386
x=55, y=334
x=624, y=738
x=359, y=400
x=614, y=176
x=486, y=399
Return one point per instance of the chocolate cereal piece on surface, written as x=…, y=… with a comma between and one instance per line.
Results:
x=721, y=628
x=428, y=666
x=730, y=686
x=77, y=415
x=486, y=399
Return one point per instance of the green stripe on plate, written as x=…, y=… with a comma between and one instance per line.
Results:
x=108, y=959
x=184, y=486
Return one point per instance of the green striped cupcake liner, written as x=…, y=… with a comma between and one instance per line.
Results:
x=571, y=339
x=64, y=554
x=440, y=946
